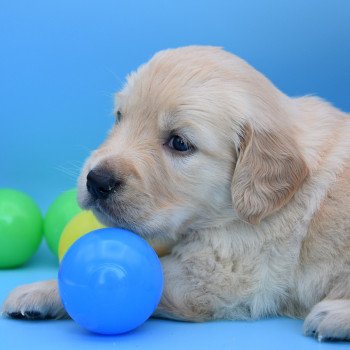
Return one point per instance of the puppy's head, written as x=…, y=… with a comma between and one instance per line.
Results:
x=192, y=130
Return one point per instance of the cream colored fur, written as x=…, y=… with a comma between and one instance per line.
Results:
x=258, y=214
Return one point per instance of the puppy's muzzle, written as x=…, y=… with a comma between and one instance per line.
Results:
x=100, y=183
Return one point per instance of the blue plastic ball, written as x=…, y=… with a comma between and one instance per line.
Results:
x=110, y=281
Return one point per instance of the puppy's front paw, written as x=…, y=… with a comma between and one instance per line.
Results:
x=328, y=320
x=35, y=301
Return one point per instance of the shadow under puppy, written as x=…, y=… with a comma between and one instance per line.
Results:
x=249, y=186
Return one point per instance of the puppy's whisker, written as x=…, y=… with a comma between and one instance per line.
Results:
x=76, y=165
x=72, y=173
x=84, y=148
x=116, y=76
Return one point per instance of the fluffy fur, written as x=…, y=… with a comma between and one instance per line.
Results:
x=257, y=214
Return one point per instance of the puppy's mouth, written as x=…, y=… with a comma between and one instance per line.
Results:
x=133, y=211
x=104, y=217
x=111, y=213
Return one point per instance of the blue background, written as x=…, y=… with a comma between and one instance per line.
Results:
x=61, y=62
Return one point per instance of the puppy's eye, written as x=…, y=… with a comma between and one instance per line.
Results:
x=179, y=144
x=118, y=117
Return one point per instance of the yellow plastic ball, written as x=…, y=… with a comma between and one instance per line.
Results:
x=85, y=222
x=81, y=224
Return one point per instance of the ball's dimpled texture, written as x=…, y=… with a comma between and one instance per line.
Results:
x=110, y=281
x=60, y=212
x=21, y=228
x=81, y=224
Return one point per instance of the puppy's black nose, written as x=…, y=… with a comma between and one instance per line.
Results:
x=101, y=183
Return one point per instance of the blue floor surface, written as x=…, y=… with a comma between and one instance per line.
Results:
x=276, y=333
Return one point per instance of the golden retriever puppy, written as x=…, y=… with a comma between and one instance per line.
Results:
x=251, y=187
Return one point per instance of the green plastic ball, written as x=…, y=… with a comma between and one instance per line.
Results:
x=60, y=212
x=21, y=228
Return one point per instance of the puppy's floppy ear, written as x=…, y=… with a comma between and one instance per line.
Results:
x=269, y=170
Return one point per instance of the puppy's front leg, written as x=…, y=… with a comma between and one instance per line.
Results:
x=39, y=300
x=189, y=293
